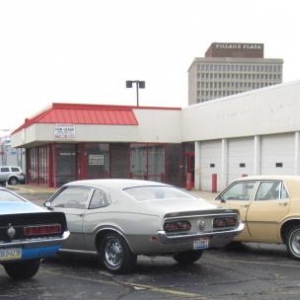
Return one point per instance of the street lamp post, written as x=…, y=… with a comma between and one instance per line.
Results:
x=139, y=85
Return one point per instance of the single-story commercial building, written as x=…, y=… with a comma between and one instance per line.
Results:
x=204, y=145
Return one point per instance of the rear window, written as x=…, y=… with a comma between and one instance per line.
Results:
x=14, y=169
x=156, y=192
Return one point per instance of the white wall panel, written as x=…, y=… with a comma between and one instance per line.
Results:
x=240, y=157
x=210, y=163
x=278, y=154
x=269, y=110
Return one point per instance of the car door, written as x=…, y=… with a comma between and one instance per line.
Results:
x=270, y=206
x=239, y=195
x=97, y=215
x=73, y=202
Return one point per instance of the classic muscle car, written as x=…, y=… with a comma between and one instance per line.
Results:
x=118, y=219
x=28, y=233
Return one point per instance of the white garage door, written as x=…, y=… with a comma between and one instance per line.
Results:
x=210, y=163
x=278, y=154
x=240, y=158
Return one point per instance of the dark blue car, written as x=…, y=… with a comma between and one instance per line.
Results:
x=28, y=233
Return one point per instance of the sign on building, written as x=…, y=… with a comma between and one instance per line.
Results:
x=96, y=160
x=64, y=132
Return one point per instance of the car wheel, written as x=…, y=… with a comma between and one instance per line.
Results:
x=116, y=255
x=293, y=242
x=13, y=181
x=22, y=270
x=188, y=257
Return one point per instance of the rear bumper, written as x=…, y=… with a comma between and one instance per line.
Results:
x=37, y=248
x=215, y=237
x=162, y=243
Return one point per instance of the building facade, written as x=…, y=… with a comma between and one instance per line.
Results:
x=251, y=133
x=231, y=68
x=68, y=142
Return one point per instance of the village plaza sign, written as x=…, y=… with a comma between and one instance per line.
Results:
x=238, y=46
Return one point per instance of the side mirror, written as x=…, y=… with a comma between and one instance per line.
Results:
x=48, y=205
x=220, y=198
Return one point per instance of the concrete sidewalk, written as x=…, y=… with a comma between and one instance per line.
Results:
x=31, y=189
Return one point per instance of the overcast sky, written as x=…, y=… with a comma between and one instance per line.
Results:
x=83, y=51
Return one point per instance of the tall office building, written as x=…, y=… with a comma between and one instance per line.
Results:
x=231, y=68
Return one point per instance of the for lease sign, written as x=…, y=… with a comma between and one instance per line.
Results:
x=64, y=132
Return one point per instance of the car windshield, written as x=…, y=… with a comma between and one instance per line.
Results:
x=156, y=192
x=6, y=196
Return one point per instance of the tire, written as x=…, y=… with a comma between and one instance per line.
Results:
x=188, y=257
x=13, y=181
x=22, y=270
x=115, y=254
x=293, y=242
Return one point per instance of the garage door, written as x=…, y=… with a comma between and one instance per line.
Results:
x=240, y=157
x=210, y=163
x=277, y=154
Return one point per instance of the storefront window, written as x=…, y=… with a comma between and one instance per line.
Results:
x=97, y=160
x=147, y=161
x=156, y=163
x=43, y=165
x=65, y=163
x=32, y=165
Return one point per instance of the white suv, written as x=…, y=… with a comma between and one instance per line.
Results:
x=11, y=175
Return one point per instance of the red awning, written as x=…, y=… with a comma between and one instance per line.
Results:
x=83, y=114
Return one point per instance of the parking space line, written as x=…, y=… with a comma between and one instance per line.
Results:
x=176, y=293
x=276, y=264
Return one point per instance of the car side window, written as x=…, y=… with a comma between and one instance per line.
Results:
x=72, y=197
x=238, y=191
x=284, y=193
x=4, y=169
x=270, y=190
x=99, y=199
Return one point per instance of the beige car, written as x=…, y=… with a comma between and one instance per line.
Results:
x=270, y=208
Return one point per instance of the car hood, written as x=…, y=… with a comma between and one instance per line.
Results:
x=19, y=207
x=165, y=206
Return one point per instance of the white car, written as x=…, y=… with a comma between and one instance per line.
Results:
x=11, y=175
x=119, y=219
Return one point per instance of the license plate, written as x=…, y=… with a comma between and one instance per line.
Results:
x=10, y=254
x=201, y=244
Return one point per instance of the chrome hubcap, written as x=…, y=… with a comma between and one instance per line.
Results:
x=114, y=253
x=295, y=242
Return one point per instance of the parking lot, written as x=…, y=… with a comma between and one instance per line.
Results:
x=252, y=271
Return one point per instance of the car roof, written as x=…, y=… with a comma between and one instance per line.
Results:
x=270, y=177
x=114, y=183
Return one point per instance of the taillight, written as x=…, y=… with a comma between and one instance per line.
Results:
x=177, y=226
x=225, y=222
x=42, y=229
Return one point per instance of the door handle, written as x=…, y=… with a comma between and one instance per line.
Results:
x=245, y=205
